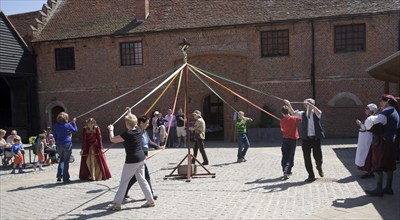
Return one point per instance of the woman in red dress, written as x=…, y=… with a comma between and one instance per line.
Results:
x=93, y=162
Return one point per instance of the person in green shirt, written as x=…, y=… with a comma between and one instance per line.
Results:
x=241, y=136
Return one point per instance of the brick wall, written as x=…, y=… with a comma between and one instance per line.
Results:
x=232, y=52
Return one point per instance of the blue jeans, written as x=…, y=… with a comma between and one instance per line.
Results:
x=64, y=151
x=243, y=145
x=288, y=149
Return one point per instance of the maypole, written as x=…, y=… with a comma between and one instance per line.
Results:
x=184, y=46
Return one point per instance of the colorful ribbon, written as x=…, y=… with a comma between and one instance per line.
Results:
x=193, y=68
x=155, y=89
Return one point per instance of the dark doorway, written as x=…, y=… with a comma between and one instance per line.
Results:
x=5, y=104
x=54, y=112
x=213, y=109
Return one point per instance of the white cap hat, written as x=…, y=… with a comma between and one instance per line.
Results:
x=372, y=107
x=156, y=113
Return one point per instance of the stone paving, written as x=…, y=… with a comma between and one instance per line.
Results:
x=249, y=190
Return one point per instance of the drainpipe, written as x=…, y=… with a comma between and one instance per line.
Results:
x=312, y=59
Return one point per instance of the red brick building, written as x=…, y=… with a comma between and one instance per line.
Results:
x=89, y=52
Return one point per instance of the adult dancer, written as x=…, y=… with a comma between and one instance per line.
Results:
x=62, y=131
x=134, y=161
x=143, y=122
x=311, y=135
x=199, y=129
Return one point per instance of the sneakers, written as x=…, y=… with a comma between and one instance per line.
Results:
x=148, y=204
x=114, y=207
x=241, y=160
x=58, y=180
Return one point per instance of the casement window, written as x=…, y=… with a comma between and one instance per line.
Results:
x=65, y=58
x=349, y=38
x=275, y=43
x=131, y=53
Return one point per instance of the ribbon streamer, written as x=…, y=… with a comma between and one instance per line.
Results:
x=192, y=68
x=155, y=89
x=239, y=84
x=161, y=95
x=112, y=100
x=209, y=87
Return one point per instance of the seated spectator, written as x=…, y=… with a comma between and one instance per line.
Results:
x=10, y=140
x=49, y=136
x=16, y=150
x=5, y=148
x=12, y=136
x=50, y=146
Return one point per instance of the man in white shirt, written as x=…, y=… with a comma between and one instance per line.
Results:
x=311, y=133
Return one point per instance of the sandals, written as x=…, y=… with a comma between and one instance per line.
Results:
x=114, y=207
x=148, y=204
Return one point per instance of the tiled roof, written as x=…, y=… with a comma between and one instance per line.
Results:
x=89, y=18
x=22, y=23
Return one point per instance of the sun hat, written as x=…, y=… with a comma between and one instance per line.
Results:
x=197, y=113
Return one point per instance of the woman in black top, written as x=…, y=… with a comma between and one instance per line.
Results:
x=134, y=161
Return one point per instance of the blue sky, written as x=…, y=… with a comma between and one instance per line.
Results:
x=10, y=7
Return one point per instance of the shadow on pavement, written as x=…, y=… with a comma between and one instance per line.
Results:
x=46, y=186
x=387, y=206
x=258, y=181
x=282, y=186
x=223, y=164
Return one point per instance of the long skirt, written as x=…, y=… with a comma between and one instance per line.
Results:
x=383, y=156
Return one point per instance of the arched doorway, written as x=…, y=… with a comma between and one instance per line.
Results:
x=54, y=112
x=213, y=113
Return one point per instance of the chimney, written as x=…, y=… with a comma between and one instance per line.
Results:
x=142, y=9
